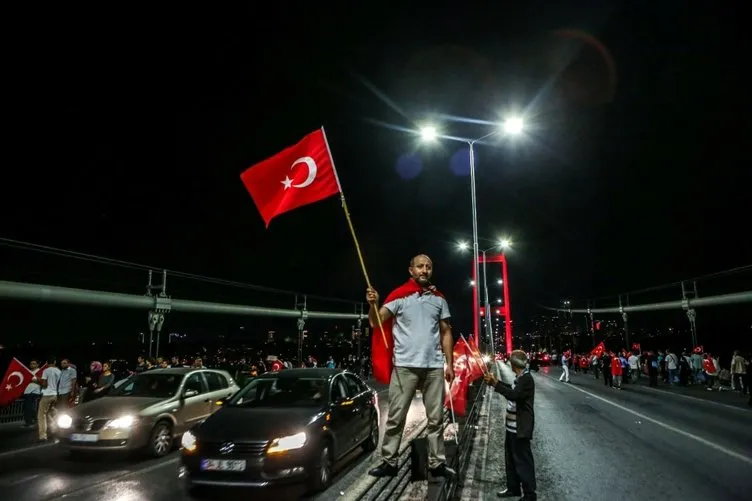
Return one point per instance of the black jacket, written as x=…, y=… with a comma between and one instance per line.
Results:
x=523, y=394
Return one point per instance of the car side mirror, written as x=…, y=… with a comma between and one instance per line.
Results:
x=189, y=393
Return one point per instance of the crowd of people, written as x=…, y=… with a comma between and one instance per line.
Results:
x=667, y=366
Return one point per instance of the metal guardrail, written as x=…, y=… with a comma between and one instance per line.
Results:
x=55, y=294
x=679, y=304
x=390, y=488
x=464, y=447
x=13, y=413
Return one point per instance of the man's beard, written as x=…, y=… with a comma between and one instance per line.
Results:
x=422, y=280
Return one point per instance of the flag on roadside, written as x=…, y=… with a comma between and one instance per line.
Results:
x=478, y=366
x=17, y=377
x=466, y=370
x=598, y=350
x=298, y=175
x=456, y=396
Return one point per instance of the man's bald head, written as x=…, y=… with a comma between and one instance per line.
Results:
x=421, y=269
x=419, y=256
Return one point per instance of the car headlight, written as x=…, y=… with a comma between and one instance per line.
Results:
x=121, y=422
x=64, y=421
x=188, y=441
x=288, y=443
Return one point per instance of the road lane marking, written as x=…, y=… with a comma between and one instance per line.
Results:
x=25, y=449
x=682, y=395
x=696, y=399
x=667, y=426
x=118, y=478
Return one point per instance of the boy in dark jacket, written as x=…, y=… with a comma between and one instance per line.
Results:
x=520, y=421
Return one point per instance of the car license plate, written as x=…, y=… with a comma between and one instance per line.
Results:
x=223, y=465
x=83, y=437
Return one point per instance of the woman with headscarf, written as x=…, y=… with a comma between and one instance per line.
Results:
x=87, y=391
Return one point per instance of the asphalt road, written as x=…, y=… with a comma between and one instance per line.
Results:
x=594, y=442
x=45, y=472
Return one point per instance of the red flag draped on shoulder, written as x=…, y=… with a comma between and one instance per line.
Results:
x=296, y=176
x=382, y=353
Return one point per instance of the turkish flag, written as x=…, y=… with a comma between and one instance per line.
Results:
x=466, y=369
x=15, y=381
x=296, y=176
x=598, y=350
x=456, y=397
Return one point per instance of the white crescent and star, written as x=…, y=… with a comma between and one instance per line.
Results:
x=312, y=171
x=17, y=374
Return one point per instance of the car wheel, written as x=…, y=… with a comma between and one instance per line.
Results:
x=160, y=440
x=321, y=473
x=373, y=436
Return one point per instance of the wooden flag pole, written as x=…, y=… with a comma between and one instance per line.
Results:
x=354, y=236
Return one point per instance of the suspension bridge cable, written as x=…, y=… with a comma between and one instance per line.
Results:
x=81, y=256
x=717, y=274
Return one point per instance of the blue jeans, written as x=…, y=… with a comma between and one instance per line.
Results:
x=672, y=373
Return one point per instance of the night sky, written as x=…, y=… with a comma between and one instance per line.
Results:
x=127, y=132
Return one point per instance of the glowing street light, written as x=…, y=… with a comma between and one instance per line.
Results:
x=499, y=281
x=463, y=246
x=505, y=244
x=428, y=133
x=472, y=283
x=513, y=126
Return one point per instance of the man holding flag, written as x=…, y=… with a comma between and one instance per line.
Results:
x=415, y=317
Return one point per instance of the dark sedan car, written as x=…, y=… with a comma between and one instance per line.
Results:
x=282, y=428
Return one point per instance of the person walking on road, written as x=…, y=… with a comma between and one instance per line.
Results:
x=564, y=367
x=422, y=340
x=520, y=421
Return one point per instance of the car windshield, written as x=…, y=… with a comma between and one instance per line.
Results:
x=282, y=391
x=148, y=385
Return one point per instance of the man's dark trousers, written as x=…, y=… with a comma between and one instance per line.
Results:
x=520, y=466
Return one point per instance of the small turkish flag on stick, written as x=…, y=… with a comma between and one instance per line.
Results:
x=296, y=176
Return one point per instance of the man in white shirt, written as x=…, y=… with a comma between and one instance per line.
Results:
x=49, y=383
x=31, y=396
x=66, y=390
x=564, y=367
x=634, y=367
x=672, y=364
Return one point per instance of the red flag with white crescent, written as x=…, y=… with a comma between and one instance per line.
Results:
x=14, y=382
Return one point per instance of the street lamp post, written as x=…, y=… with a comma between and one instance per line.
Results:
x=510, y=126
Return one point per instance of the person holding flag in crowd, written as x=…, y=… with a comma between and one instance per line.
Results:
x=415, y=316
x=414, y=333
